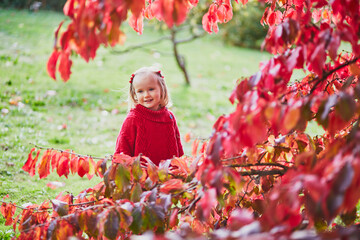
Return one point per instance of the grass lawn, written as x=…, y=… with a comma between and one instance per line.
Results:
x=85, y=114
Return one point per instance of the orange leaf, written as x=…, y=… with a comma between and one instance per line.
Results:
x=354, y=69
x=91, y=171
x=100, y=168
x=8, y=211
x=180, y=166
x=152, y=171
x=291, y=118
x=74, y=164
x=187, y=137
x=137, y=7
x=171, y=186
x=44, y=165
x=65, y=66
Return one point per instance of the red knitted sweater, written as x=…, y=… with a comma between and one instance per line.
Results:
x=153, y=133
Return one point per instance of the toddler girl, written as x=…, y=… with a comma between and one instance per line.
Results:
x=149, y=128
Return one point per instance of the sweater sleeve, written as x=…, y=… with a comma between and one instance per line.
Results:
x=178, y=139
x=125, y=142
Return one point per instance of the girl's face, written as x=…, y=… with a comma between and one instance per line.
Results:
x=148, y=92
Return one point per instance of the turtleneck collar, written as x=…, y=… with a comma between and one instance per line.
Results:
x=161, y=115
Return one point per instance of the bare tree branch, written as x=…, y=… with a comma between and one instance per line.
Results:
x=142, y=45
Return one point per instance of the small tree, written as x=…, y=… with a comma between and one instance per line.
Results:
x=260, y=175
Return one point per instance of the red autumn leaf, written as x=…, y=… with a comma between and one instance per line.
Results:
x=69, y=8
x=67, y=37
x=83, y=166
x=136, y=7
x=51, y=64
x=291, y=118
x=8, y=211
x=56, y=34
x=152, y=170
x=63, y=166
x=336, y=123
x=195, y=146
x=32, y=166
x=173, y=221
x=92, y=44
x=100, y=168
x=88, y=223
x=64, y=230
x=187, y=137
x=136, y=23
x=240, y=218
x=74, y=164
x=179, y=166
x=174, y=11
x=317, y=59
x=296, y=59
x=209, y=20
x=172, y=186
x=55, y=156
x=44, y=165
x=55, y=184
x=65, y=65
x=60, y=207
x=111, y=224
x=205, y=205
x=354, y=69
x=91, y=171
x=29, y=162
x=224, y=12
x=334, y=46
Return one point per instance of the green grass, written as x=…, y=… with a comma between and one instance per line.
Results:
x=85, y=103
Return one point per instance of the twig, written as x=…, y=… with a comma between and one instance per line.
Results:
x=193, y=37
x=190, y=205
x=258, y=165
x=73, y=153
x=326, y=74
x=131, y=48
x=13, y=205
x=253, y=172
x=83, y=203
x=242, y=198
x=180, y=60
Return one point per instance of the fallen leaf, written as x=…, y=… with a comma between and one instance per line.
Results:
x=55, y=184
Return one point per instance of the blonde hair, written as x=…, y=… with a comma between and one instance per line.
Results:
x=165, y=100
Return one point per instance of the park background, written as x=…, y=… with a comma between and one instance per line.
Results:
x=85, y=114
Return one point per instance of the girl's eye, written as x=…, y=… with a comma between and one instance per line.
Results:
x=140, y=91
x=151, y=89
